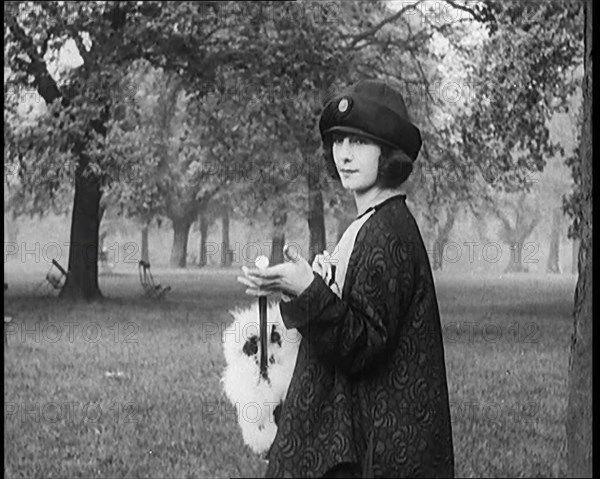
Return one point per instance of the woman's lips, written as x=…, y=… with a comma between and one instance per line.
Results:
x=348, y=172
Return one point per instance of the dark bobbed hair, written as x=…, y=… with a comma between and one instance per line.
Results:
x=395, y=166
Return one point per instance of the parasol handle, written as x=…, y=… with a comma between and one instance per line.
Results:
x=262, y=314
x=262, y=262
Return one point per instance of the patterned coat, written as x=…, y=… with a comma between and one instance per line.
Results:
x=370, y=373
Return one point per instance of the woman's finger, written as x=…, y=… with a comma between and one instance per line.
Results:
x=258, y=292
x=255, y=292
x=328, y=274
x=273, y=272
x=261, y=283
x=267, y=285
x=318, y=268
x=246, y=270
x=246, y=281
x=291, y=254
x=254, y=273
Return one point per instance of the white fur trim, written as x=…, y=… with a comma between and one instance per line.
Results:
x=254, y=398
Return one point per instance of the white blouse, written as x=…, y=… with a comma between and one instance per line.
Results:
x=342, y=251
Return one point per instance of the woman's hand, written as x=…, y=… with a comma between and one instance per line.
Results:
x=290, y=278
x=322, y=266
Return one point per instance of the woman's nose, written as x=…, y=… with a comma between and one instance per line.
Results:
x=345, y=149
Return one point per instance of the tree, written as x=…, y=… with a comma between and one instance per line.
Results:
x=24, y=58
x=579, y=409
x=294, y=82
x=206, y=218
x=553, y=263
x=443, y=235
x=514, y=232
x=556, y=181
x=446, y=179
x=176, y=140
x=186, y=38
x=290, y=82
x=548, y=45
x=79, y=104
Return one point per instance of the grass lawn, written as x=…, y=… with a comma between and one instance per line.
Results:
x=128, y=387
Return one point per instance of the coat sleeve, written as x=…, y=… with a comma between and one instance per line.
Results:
x=352, y=333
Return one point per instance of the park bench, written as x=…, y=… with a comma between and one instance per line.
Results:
x=54, y=281
x=57, y=281
x=152, y=289
x=7, y=320
x=106, y=266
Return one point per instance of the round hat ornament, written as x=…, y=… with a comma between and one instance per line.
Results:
x=343, y=105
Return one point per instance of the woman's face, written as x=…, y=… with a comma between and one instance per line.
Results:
x=356, y=160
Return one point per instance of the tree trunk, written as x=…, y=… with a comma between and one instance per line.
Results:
x=82, y=280
x=11, y=228
x=436, y=249
x=553, y=265
x=181, y=231
x=279, y=222
x=101, y=238
x=515, y=264
x=145, y=253
x=525, y=222
x=202, y=261
x=346, y=214
x=226, y=257
x=101, y=211
x=316, y=216
x=343, y=223
x=443, y=237
x=579, y=408
x=438, y=255
x=574, y=255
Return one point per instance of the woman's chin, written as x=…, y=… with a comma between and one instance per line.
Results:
x=350, y=185
x=354, y=188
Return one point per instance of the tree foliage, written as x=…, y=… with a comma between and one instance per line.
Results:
x=251, y=79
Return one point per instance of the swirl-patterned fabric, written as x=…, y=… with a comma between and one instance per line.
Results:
x=370, y=364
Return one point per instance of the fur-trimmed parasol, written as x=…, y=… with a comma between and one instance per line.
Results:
x=258, y=400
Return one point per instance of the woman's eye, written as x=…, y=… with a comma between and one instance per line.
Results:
x=353, y=140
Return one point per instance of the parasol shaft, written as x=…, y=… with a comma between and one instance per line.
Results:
x=262, y=315
x=261, y=263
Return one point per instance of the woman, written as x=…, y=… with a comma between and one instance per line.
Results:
x=369, y=393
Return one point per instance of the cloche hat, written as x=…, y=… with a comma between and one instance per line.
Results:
x=374, y=110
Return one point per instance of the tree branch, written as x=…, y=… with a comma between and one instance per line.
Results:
x=380, y=25
x=473, y=13
x=42, y=80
